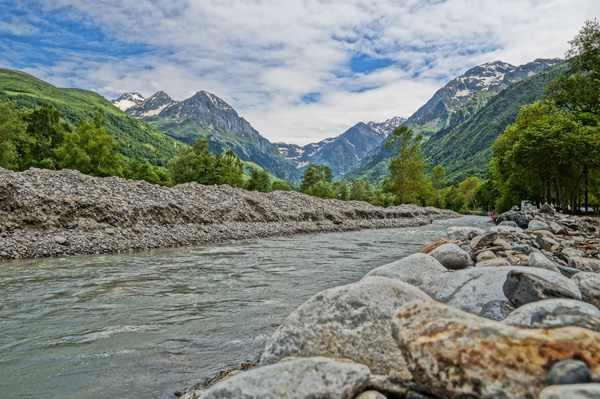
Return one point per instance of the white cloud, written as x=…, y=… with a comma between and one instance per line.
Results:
x=263, y=56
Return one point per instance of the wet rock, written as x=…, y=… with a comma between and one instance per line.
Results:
x=453, y=354
x=470, y=289
x=496, y=310
x=569, y=372
x=413, y=269
x=537, y=259
x=585, y=264
x=552, y=313
x=351, y=321
x=452, y=257
x=295, y=378
x=483, y=240
x=462, y=233
x=576, y=391
x=589, y=285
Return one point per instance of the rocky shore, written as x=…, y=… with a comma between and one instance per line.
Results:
x=47, y=213
x=511, y=312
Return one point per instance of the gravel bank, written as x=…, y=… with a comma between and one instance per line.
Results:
x=47, y=213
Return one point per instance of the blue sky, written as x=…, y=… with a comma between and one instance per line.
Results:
x=297, y=71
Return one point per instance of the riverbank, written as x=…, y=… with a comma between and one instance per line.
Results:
x=47, y=213
x=511, y=311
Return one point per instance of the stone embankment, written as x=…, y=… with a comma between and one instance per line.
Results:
x=57, y=213
x=511, y=312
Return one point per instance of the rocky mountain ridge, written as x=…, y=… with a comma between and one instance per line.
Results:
x=128, y=100
x=341, y=152
x=217, y=121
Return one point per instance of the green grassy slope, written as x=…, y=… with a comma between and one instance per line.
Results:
x=137, y=139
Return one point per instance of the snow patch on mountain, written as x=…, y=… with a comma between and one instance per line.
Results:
x=128, y=100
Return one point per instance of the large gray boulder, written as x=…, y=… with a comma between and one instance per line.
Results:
x=552, y=313
x=538, y=259
x=462, y=233
x=295, y=379
x=538, y=225
x=523, y=287
x=589, y=285
x=351, y=322
x=470, y=289
x=585, y=264
x=413, y=269
x=452, y=256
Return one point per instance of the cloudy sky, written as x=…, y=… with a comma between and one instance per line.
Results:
x=298, y=70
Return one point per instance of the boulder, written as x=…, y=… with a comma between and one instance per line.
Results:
x=589, y=285
x=295, y=378
x=496, y=310
x=470, y=289
x=496, y=262
x=485, y=255
x=518, y=217
x=547, y=208
x=508, y=223
x=351, y=321
x=484, y=240
x=545, y=242
x=585, y=264
x=413, y=269
x=452, y=257
x=523, y=248
x=462, y=233
x=576, y=391
x=453, y=354
x=569, y=372
x=552, y=313
x=538, y=259
x=427, y=248
x=537, y=225
x=524, y=287
x=371, y=395
x=568, y=253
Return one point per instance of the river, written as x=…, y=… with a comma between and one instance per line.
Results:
x=145, y=324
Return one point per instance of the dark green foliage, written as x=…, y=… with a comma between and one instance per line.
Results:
x=150, y=173
x=260, y=180
x=407, y=167
x=316, y=181
x=361, y=191
x=136, y=139
x=280, y=185
x=91, y=150
x=13, y=135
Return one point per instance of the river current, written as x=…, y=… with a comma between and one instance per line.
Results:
x=145, y=324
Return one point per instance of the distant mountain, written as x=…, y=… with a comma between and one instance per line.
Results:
x=204, y=114
x=128, y=100
x=466, y=149
x=451, y=106
x=341, y=152
x=137, y=139
x=491, y=77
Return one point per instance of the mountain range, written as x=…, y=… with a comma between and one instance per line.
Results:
x=206, y=115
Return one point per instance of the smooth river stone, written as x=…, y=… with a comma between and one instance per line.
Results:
x=413, y=269
x=456, y=355
x=351, y=322
x=295, y=379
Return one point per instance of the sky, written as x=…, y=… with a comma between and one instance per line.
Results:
x=298, y=70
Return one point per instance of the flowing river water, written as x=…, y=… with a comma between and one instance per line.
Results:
x=145, y=324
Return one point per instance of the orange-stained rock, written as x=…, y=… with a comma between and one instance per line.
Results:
x=427, y=248
x=453, y=354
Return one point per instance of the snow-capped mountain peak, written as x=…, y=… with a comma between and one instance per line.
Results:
x=128, y=100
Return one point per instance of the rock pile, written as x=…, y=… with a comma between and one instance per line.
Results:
x=511, y=312
x=57, y=213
